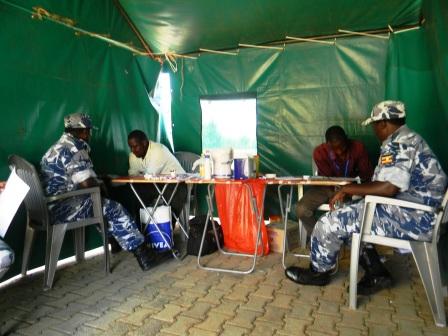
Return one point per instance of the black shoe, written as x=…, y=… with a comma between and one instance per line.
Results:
x=307, y=276
x=145, y=257
x=370, y=284
x=114, y=246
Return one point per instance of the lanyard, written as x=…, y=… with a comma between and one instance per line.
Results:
x=339, y=168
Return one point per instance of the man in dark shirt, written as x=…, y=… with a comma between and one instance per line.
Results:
x=339, y=156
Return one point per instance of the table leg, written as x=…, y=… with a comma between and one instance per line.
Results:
x=285, y=209
x=151, y=217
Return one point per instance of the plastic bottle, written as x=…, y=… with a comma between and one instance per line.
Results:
x=207, y=167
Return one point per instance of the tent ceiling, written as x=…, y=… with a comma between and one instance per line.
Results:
x=185, y=26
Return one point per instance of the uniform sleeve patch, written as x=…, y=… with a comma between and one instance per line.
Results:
x=387, y=159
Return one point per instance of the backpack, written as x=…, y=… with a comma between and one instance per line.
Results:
x=196, y=230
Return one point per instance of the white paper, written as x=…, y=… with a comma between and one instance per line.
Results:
x=10, y=200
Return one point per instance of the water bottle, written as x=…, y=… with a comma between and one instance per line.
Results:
x=207, y=167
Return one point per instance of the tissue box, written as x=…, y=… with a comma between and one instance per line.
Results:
x=276, y=234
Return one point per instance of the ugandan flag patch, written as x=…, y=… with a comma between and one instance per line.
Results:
x=387, y=159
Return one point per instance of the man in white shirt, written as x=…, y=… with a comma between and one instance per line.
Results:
x=148, y=157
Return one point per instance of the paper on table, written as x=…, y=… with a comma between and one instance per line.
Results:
x=10, y=199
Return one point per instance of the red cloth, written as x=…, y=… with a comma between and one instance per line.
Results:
x=357, y=162
x=238, y=221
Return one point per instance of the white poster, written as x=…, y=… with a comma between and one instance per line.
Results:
x=10, y=199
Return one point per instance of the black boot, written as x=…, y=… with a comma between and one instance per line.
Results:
x=307, y=276
x=376, y=276
x=114, y=246
x=144, y=256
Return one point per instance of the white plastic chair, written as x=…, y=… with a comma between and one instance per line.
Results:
x=38, y=218
x=425, y=253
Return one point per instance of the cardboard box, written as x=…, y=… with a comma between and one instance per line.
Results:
x=276, y=234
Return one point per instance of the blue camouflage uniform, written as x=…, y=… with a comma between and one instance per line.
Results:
x=66, y=164
x=6, y=257
x=407, y=162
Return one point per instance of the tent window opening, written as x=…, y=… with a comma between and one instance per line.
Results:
x=230, y=122
x=161, y=100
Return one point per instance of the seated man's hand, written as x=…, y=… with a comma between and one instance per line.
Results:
x=337, y=199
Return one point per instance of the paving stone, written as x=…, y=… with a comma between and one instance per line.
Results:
x=157, y=303
x=380, y=316
x=256, y=303
x=345, y=331
x=150, y=327
x=137, y=317
x=231, y=330
x=265, y=292
x=67, y=312
x=181, y=326
x=70, y=326
x=294, y=327
x=309, y=296
x=282, y=300
x=168, y=313
x=9, y=326
x=38, y=327
x=88, y=331
x=198, y=311
x=409, y=326
x=226, y=284
x=381, y=330
x=213, y=297
x=301, y=311
x=334, y=294
x=213, y=322
x=226, y=307
x=329, y=308
x=273, y=315
x=118, y=328
x=129, y=305
x=289, y=288
x=380, y=302
x=262, y=328
x=239, y=293
x=201, y=332
x=407, y=312
x=353, y=319
x=105, y=320
x=99, y=307
x=244, y=318
x=324, y=323
x=94, y=298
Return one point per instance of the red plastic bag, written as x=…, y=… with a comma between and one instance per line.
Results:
x=238, y=221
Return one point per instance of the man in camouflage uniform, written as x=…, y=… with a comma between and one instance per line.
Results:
x=407, y=170
x=6, y=257
x=67, y=166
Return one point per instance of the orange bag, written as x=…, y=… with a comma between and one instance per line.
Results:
x=238, y=221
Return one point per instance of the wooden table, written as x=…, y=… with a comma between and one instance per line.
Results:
x=160, y=182
x=300, y=182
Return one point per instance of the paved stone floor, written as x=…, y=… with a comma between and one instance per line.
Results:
x=177, y=298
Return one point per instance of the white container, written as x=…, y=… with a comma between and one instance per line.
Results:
x=222, y=161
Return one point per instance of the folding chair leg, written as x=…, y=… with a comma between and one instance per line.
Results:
x=426, y=258
x=79, y=234
x=29, y=239
x=354, y=264
x=103, y=227
x=55, y=238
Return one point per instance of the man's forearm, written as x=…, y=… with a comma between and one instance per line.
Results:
x=377, y=188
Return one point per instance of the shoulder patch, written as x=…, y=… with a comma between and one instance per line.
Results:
x=386, y=159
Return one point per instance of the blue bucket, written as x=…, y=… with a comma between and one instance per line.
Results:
x=153, y=238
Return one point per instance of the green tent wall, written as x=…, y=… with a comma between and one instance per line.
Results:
x=48, y=72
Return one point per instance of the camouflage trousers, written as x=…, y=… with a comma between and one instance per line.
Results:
x=335, y=228
x=120, y=225
x=6, y=257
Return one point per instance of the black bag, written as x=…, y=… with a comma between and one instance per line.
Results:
x=196, y=230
